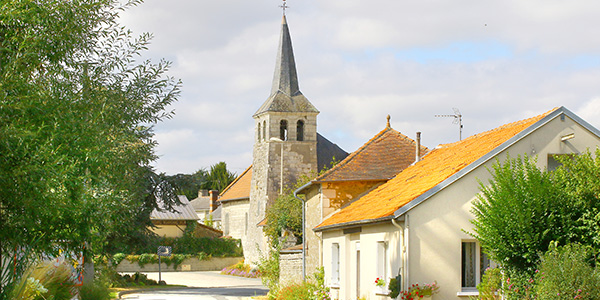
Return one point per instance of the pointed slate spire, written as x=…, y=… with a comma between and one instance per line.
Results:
x=285, y=92
x=285, y=78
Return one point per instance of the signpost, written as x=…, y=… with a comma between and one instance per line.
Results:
x=162, y=251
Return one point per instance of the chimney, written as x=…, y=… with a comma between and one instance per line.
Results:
x=418, y=151
x=202, y=193
x=214, y=196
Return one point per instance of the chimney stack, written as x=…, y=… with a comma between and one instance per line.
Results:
x=418, y=151
x=214, y=196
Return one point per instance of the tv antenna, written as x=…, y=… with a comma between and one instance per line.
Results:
x=457, y=120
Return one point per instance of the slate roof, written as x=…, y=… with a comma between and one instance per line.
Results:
x=239, y=188
x=426, y=176
x=201, y=203
x=328, y=152
x=285, y=92
x=184, y=211
x=381, y=158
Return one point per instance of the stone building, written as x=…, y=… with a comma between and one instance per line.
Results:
x=286, y=146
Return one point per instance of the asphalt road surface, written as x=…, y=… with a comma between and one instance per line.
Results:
x=209, y=285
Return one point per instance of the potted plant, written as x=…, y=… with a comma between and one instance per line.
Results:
x=380, y=286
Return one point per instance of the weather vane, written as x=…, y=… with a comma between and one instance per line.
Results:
x=284, y=6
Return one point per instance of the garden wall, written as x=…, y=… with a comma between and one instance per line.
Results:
x=189, y=264
x=290, y=267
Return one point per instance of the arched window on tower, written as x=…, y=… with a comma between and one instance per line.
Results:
x=300, y=130
x=259, y=132
x=264, y=130
x=283, y=130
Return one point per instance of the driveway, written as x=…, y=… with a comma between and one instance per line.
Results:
x=207, y=285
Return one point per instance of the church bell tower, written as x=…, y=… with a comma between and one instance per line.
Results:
x=285, y=143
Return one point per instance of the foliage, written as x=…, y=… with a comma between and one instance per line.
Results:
x=241, y=269
x=216, y=178
x=96, y=290
x=394, y=287
x=415, y=291
x=565, y=273
x=285, y=214
x=520, y=213
x=44, y=281
x=268, y=267
x=296, y=291
x=518, y=286
x=314, y=289
x=491, y=285
x=76, y=116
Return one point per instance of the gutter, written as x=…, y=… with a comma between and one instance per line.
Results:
x=352, y=224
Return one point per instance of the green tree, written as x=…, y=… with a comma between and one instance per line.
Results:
x=218, y=178
x=189, y=184
x=76, y=116
x=519, y=213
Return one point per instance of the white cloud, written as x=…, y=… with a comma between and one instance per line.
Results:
x=358, y=61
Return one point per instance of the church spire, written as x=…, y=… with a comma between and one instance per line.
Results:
x=285, y=78
x=285, y=92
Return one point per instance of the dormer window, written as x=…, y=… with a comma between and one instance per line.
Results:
x=300, y=130
x=283, y=130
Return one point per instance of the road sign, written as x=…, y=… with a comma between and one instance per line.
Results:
x=164, y=251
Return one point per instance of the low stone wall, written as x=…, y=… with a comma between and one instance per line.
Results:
x=290, y=267
x=190, y=264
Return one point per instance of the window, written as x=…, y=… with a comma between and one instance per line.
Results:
x=382, y=260
x=335, y=263
x=283, y=130
x=259, y=132
x=264, y=128
x=300, y=130
x=474, y=263
x=246, y=223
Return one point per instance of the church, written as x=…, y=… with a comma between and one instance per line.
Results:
x=286, y=146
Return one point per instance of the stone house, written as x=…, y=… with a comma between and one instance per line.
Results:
x=208, y=208
x=414, y=226
x=377, y=161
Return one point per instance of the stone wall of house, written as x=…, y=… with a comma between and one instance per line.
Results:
x=290, y=267
x=190, y=264
x=234, y=220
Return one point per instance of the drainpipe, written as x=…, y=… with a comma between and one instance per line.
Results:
x=404, y=249
x=401, y=248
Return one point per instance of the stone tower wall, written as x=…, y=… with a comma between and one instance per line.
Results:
x=299, y=157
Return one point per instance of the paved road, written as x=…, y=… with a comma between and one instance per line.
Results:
x=209, y=285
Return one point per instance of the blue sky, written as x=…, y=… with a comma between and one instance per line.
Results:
x=358, y=61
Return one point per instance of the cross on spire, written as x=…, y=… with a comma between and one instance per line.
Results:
x=283, y=6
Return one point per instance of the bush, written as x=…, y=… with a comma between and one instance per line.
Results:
x=97, y=290
x=297, y=291
x=269, y=270
x=241, y=269
x=491, y=285
x=565, y=273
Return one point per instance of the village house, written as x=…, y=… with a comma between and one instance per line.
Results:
x=415, y=226
x=376, y=162
x=208, y=208
x=172, y=223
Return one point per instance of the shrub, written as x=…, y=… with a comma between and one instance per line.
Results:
x=415, y=291
x=491, y=285
x=241, y=269
x=44, y=281
x=269, y=270
x=565, y=273
x=297, y=291
x=97, y=290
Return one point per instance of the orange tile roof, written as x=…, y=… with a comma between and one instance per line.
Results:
x=239, y=188
x=381, y=158
x=438, y=165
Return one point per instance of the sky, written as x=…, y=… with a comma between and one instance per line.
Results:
x=359, y=61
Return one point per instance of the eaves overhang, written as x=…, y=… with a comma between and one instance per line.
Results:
x=341, y=226
x=485, y=158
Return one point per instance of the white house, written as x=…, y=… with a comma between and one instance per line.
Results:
x=414, y=226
